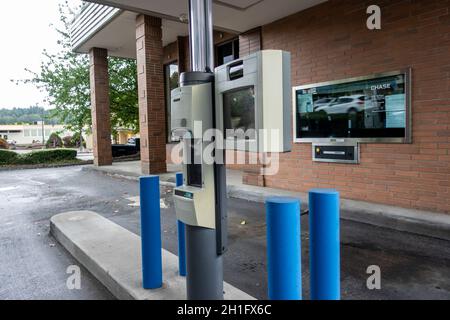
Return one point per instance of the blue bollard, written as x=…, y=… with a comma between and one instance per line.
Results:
x=151, y=232
x=284, y=249
x=324, y=244
x=181, y=236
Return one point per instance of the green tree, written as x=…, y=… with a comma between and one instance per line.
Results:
x=65, y=77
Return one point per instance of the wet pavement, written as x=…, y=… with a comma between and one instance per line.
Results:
x=33, y=265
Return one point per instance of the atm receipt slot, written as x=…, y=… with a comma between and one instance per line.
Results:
x=338, y=153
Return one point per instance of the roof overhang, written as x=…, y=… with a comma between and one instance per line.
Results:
x=111, y=24
x=114, y=29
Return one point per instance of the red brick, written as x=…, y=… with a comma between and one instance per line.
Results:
x=151, y=94
x=100, y=108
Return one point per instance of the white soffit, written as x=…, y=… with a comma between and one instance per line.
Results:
x=119, y=36
x=239, y=4
x=229, y=15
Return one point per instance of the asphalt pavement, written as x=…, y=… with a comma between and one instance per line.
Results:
x=33, y=265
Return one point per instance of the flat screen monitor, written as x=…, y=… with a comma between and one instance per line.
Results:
x=373, y=108
x=239, y=113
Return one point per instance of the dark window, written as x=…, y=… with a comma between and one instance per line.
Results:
x=227, y=52
x=171, y=81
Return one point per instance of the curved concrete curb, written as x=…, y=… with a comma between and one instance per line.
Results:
x=113, y=172
x=113, y=255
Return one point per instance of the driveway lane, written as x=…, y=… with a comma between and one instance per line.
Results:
x=413, y=267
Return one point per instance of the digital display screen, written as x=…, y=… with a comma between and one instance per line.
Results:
x=184, y=194
x=239, y=112
x=372, y=108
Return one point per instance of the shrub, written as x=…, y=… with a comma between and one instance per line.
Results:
x=48, y=156
x=54, y=141
x=67, y=142
x=8, y=157
x=3, y=144
x=76, y=140
x=73, y=141
x=37, y=157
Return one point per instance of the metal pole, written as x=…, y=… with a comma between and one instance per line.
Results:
x=201, y=35
x=181, y=235
x=151, y=232
x=324, y=244
x=43, y=128
x=284, y=248
x=204, y=262
x=209, y=37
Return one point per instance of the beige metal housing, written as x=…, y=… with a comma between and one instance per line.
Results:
x=268, y=72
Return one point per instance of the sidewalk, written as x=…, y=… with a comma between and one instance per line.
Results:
x=425, y=223
x=113, y=255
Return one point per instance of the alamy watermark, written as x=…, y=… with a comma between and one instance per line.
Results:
x=74, y=280
x=374, y=20
x=209, y=147
x=374, y=280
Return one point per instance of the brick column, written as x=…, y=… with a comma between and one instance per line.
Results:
x=249, y=42
x=152, y=116
x=101, y=123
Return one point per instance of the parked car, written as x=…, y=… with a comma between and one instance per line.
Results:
x=343, y=105
x=323, y=102
x=132, y=141
x=133, y=147
x=12, y=144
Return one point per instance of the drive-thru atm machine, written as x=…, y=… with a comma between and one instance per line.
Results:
x=246, y=95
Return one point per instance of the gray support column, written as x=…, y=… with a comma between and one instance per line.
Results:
x=204, y=246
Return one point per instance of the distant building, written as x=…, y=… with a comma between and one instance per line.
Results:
x=26, y=134
x=123, y=135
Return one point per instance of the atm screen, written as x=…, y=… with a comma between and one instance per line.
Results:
x=372, y=108
x=239, y=112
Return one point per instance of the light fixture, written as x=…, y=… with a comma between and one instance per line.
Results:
x=184, y=18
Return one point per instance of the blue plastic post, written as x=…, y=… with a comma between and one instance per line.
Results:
x=324, y=244
x=284, y=248
x=151, y=232
x=181, y=236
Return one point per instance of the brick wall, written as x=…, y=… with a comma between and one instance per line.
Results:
x=330, y=42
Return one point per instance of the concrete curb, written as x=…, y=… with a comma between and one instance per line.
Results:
x=112, y=254
x=126, y=175
x=430, y=224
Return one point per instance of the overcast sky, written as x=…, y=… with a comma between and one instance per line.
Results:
x=24, y=32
